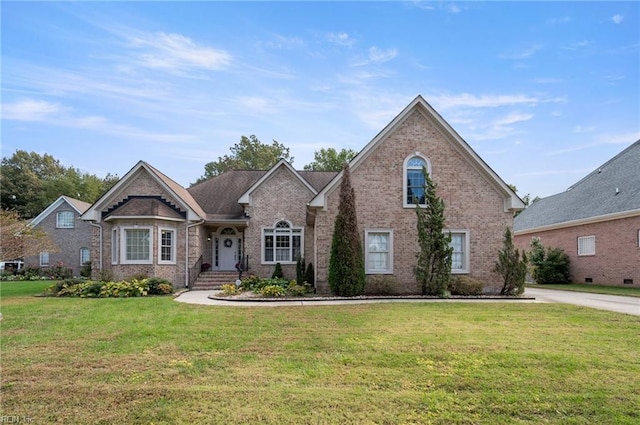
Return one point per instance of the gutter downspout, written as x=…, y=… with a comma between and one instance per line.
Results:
x=186, y=252
x=99, y=226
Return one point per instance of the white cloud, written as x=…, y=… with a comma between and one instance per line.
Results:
x=341, y=39
x=30, y=110
x=453, y=8
x=177, y=52
x=522, y=54
x=512, y=118
x=561, y=20
x=581, y=129
x=377, y=55
x=616, y=19
x=283, y=42
x=489, y=101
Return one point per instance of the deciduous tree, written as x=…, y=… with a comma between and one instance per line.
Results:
x=330, y=160
x=249, y=154
x=18, y=240
x=30, y=182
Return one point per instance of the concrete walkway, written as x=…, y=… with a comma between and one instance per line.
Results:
x=615, y=303
x=202, y=297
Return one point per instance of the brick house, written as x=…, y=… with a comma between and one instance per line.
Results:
x=72, y=236
x=596, y=222
x=265, y=217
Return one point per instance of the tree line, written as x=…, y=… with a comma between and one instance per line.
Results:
x=30, y=182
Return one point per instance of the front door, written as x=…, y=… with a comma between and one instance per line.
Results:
x=227, y=249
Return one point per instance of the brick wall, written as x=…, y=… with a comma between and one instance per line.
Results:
x=471, y=202
x=69, y=241
x=617, y=254
x=143, y=184
x=282, y=197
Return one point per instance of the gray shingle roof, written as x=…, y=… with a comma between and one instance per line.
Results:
x=218, y=196
x=612, y=188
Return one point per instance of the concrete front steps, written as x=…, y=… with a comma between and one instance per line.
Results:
x=211, y=280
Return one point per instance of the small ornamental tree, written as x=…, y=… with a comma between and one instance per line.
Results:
x=346, y=264
x=433, y=270
x=512, y=266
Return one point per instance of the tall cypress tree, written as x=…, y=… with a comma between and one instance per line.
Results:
x=433, y=270
x=346, y=264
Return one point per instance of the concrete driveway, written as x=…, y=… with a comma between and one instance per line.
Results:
x=616, y=303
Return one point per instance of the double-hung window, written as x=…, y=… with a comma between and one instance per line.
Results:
x=167, y=246
x=460, y=254
x=414, y=181
x=44, y=259
x=379, y=251
x=64, y=220
x=282, y=243
x=85, y=255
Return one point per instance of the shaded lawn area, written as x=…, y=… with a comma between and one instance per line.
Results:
x=153, y=360
x=629, y=291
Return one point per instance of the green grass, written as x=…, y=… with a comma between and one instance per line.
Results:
x=628, y=291
x=153, y=360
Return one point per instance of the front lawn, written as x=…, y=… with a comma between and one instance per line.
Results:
x=153, y=360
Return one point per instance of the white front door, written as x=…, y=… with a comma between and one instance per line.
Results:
x=228, y=249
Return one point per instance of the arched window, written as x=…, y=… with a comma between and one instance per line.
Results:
x=414, y=181
x=281, y=243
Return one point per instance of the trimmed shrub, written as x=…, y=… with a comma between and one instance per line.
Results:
x=159, y=286
x=229, y=289
x=309, y=276
x=548, y=265
x=272, y=291
x=465, y=286
x=60, y=271
x=277, y=273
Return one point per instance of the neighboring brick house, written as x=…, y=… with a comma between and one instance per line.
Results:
x=596, y=222
x=265, y=217
x=72, y=236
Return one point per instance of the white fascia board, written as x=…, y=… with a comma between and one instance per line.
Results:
x=580, y=222
x=52, y=207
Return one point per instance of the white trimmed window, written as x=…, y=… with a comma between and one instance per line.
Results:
x=65, y=220
x=44, y=259
x=166, y=246
x=586, y=245
x=460, y=254
x=281, y=243
x=135, y=245
x=379, y=251
x=85, y=255
x=414, y=181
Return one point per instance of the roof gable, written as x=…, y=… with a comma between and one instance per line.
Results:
x=79, y=206
x=511, y=201
x=194, y=211
x=245, y=198
x=610, y=191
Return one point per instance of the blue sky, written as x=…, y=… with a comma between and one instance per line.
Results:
x=545, y=92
